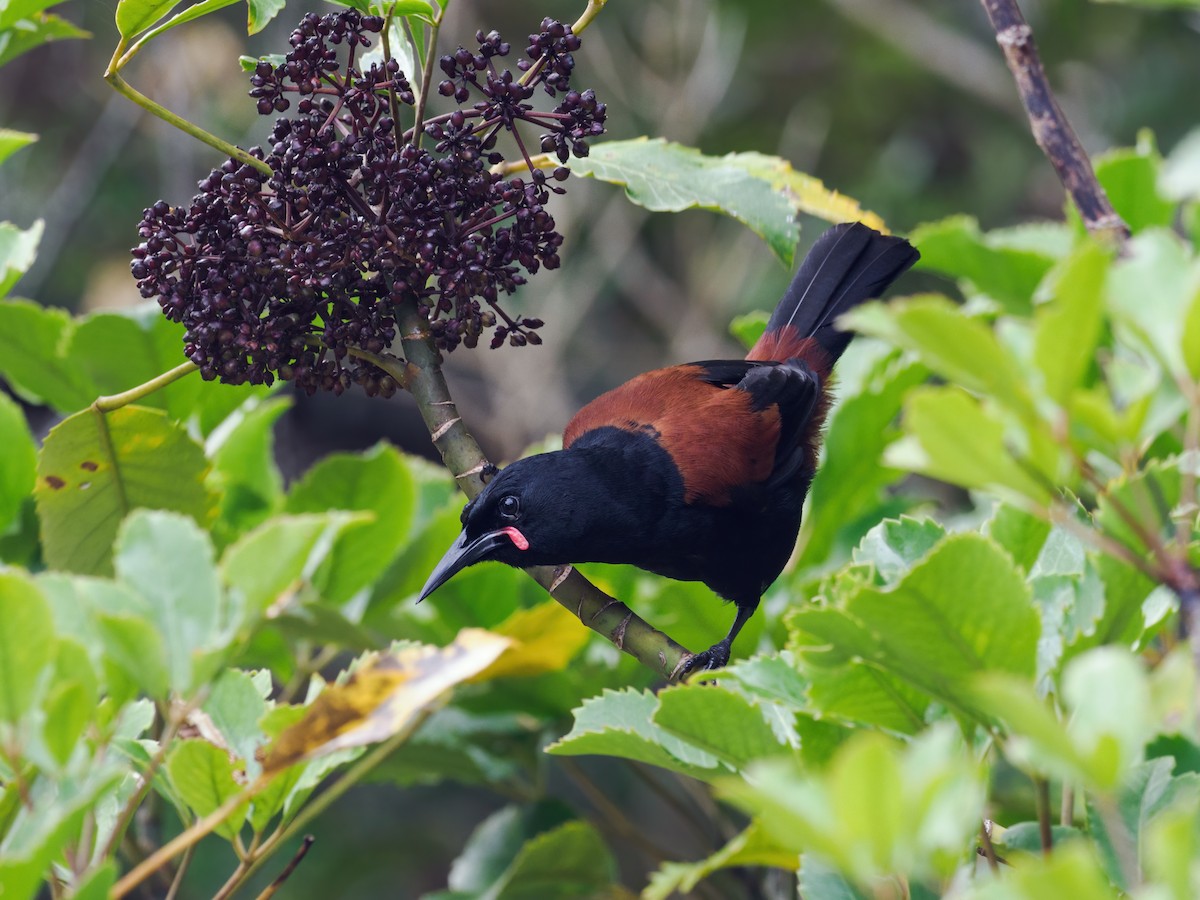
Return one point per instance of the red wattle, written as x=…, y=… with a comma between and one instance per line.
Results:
x=517, y=537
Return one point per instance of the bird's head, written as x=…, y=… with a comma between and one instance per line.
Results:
x=513, y=520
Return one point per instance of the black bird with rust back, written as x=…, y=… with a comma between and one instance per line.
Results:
x=697, y=472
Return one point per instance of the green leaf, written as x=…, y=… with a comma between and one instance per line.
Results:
x=116, y=352
x=951, y=436
x=750, y=848
x=1070, y=871
x=31, y=359
x=879, y=808
x=620, y=723
x=1144, y=793
x=11, y=141
x=271, y=560
x=895, y=545
x=95, y=468
x=720, y=722
x=570, y=862
x=96, y=886
x=1067, y=328
x=495, y=843
x=960, y=348
x=18, y=463
x=1022, y=534
x=244, y=474
x=851, y=478
x=18, y=250
x=27, y=644
x=260, y=13
x=669, y=177
x=1007, y=274
x=32, y=33
x=1150, y=292
x=168, y=560
x=195, y=11
x=69, y=708
x=250, y=63
x=378, y=482
x=235, y=706
x=1130, y=177
x=135, y=16
x=749, y=328
x=15, y=10
x=203, y=775
x=923, y=632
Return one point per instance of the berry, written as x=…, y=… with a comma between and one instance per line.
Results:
x=284, y=275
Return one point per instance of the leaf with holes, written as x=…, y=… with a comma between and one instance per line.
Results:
x=94, y=469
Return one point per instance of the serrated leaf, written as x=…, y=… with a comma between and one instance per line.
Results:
x=923, y=632
x=27, y=644
x=203, y=775
x=620, y=723
x=895, y=545
x=95, y=468
x=957, y=248
x=11, y=141
x=18, y=250
x=30, y=358
x=168, y=560
x=18, y=462
x=669, y=177
x=719, y=722
x=378, y=482
x=382, y=698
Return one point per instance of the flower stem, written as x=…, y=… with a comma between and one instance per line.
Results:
x=125, y=89
x=116, y=401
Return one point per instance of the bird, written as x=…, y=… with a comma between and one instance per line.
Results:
x=697, y=472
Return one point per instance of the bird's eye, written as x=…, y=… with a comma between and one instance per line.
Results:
x=510, y=507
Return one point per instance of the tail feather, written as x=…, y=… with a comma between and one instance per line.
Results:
x=849, y=264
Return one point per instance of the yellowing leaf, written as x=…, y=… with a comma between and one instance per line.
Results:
x=545, y=638
x=383, y=697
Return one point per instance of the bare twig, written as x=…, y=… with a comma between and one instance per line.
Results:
x=986, y=847
x=1051, y=129
x=275, y=885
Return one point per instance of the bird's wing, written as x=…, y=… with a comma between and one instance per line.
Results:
x=727, y=424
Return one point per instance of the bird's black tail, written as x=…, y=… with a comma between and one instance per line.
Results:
x=849, y=264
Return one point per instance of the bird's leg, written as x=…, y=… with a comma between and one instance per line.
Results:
x=716, y=656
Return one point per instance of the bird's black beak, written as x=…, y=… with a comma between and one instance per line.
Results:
x=462, y=553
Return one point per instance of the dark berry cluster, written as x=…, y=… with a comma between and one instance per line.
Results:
x=296, y=273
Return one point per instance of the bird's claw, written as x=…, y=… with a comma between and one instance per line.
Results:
x=715, y=657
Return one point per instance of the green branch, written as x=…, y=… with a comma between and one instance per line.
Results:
x=463, y=457
x=125, y=89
